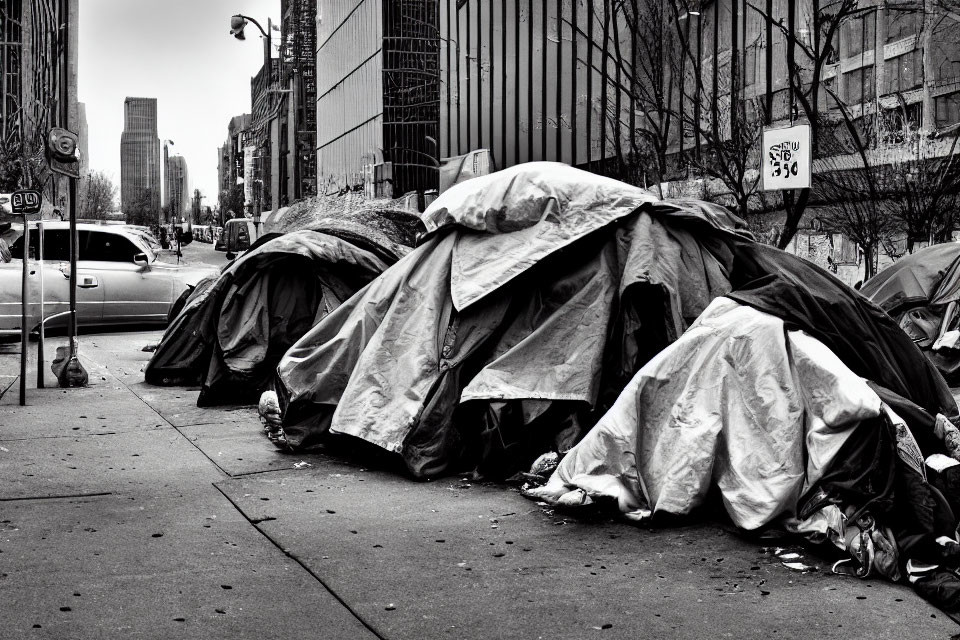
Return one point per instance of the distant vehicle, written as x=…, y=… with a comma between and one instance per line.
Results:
x=202, y=233
x=238, y=234
x=119, y=279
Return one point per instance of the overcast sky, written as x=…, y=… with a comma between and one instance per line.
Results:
x=179, y=52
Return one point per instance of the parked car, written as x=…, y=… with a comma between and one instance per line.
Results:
x=119, y=278
x=238, y=234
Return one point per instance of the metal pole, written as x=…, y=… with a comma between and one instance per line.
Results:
x=72, y=182
x=24, y=312
x=41, y=338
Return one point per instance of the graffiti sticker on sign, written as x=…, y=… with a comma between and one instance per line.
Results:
x=26, y=201
x=786, y=158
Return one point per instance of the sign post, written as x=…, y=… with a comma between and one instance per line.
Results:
x=63, y=159
x=786, y=158
x=24, y=203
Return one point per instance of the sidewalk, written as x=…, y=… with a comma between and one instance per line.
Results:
x=127, y=512
x=112, y=525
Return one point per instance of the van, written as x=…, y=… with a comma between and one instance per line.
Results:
x=238, y=234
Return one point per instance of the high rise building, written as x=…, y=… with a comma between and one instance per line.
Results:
x=299, y=59
x=177, y=187
x=232, y=170
x=84, y=133
x=378, y=71
x=267, y=178
x=140, y=159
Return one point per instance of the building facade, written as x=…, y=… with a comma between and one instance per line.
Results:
x=268, y=139
x=177, y=187
x=378, y=93
x=299, y=37
x=140, y=156
x=38, y=87
x=231, y=167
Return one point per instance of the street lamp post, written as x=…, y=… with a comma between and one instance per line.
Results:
x=237, y=24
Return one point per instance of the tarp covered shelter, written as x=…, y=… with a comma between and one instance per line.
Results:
x=661, y=348
x=234, y=328
x=540, y=292
x=917, y=291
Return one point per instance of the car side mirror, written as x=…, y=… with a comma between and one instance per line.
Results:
x=142, y=260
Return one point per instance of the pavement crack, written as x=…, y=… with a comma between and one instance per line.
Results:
x=59, y=497
x=303, y=565
x=182, y=434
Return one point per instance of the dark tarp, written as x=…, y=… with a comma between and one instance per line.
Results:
x=234, y=329
x=929, y=276
x=916, y=291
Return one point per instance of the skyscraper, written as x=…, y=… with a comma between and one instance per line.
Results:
x=140, y=161
x=178, y=187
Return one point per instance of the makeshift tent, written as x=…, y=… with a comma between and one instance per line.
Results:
x=545, y=296
x=541, y=291
x=920, y=291
x=233, y=329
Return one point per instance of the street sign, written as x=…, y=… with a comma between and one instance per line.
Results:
x=25, y=202
x=786, y=156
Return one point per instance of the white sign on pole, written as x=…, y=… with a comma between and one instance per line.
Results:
x=786, y=158
x=248, y=152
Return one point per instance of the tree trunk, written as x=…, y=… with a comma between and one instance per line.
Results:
x=868, y=270
x=794, y=209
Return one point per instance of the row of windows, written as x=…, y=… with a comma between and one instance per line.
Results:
x=92, y=245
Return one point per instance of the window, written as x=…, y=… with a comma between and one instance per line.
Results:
x=243, y=237
x=947, y=109
x=904, y=72
x=106, y=247
x=902, y=23
x=860, y=85
x=859, y=34
x=750, y=65
x=943, y=51
x=56, y=245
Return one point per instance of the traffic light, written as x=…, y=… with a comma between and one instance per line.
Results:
x=237, y=24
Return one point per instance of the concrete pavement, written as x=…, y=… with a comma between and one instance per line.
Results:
x=126, y=511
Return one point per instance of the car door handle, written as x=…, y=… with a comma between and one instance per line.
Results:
x=87, y=282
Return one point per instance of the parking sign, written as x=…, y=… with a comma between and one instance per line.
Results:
x=25, y=202
x=786, y=158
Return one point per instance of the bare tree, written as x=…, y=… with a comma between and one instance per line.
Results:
x=99, y=196
x=807, y=55
x=851, y=186
x=923, y=185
